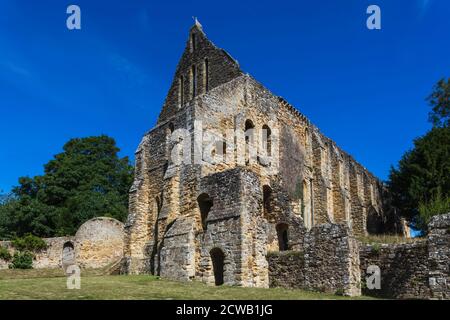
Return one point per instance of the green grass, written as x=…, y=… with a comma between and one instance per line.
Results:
x=388, y=239
x=51, y=284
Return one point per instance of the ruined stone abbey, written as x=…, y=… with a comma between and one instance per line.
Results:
x=235, y=186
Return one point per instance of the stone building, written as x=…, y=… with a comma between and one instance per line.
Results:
x=232, y=172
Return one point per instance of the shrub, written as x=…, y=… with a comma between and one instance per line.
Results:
x=439, y=204
x=376, y=248
x=4, y=254
x=22, y=260
x=29, y=243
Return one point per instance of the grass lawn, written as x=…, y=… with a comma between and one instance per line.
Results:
x=51, y=284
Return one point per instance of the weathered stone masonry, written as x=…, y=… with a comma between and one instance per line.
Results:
x=98, y=243
x=216, y=220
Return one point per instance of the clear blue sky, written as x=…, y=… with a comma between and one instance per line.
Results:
x=364, y=89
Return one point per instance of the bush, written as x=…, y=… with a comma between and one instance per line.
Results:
x=22, y=260
x=438, y=205
x=376, y=248
x=29, y=243
x=4, y=254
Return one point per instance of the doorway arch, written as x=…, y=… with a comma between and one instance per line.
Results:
x=217, y=258
x=282, y=233
x=68, y=253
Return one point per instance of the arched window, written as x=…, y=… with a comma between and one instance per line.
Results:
x=306, y=205
x=374, y=222
x=221, y=147
x=308, y=147
x=181, y=91
x=267, y=139
x=171, y=127
x=193, y=81
x=193, y=42
x=249, y=139
x=282, y=233
x=204, y=203
x=218, y=259
x=267, y=196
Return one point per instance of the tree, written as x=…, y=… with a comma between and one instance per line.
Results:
x=86, y=180
x=420, y=186
x=422, y=175
x=440, y=102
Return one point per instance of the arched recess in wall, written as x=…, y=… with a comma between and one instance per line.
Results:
x=181, y=85
x=158, y=203
x=308, y=148
x=205, y=204
x=307, y=205
x=249, y=139
x=267, y=139
x=267, y=199
x=169, y=131
x=193, y=81
x=68, y=253
x=218, y=263
x=374, y=222
x=193, y=41
x=283, y=236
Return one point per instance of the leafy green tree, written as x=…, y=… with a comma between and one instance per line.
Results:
x=440, y=103
x=86, y=180
x=422, y=174
x=422, y=178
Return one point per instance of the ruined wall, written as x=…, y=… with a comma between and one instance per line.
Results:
x=98, y=243
x=46, y=259
x=286, y=269
x=329, y=262
x=439, y=256
x=404, y=269
x=418, y=270
x=235, y=226
x=332, y=260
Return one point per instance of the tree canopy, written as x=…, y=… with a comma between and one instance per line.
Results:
x=439, y=100
x=86, y=180
x=420, y=185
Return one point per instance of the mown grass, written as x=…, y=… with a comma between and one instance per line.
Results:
x=51, y=285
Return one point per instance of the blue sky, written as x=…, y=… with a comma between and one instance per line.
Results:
x=364, y=89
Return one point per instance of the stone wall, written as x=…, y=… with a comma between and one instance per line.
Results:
x=418, y=270
x=439, y=256
x=404, y=269
x=333, y=261
x=286, y=269
x=329, y=262
x=98, y=243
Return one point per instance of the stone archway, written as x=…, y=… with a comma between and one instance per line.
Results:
x=68, y=254
x=218, y=259
x=283, y=239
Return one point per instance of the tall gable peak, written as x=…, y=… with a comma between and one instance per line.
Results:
x=202, y=67
x=197, y=24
